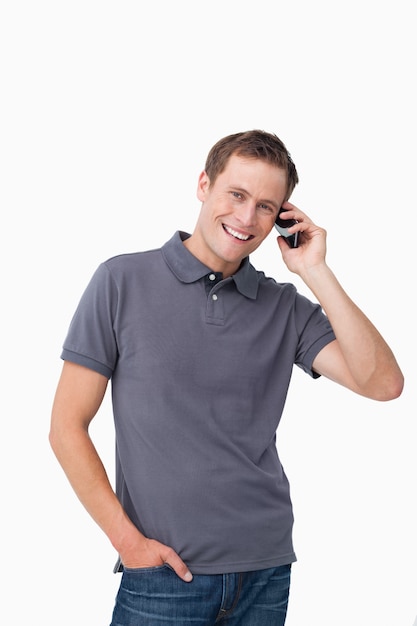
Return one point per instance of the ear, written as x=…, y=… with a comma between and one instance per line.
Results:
x=203, y=186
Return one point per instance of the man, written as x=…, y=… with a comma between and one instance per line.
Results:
x=200, y=348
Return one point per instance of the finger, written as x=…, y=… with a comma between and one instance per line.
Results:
x=283, y=246
x=288, y=206
x=295, y=213
x=173, y=560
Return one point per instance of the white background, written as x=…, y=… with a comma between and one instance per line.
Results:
x=107, y=112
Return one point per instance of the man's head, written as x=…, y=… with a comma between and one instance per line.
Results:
x=252, y=144
x=247, y=178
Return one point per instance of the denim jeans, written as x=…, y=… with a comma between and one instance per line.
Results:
x=158, y=597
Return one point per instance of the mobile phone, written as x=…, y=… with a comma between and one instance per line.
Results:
x=282, y=227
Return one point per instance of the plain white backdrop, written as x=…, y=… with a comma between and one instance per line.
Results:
x=107, y=112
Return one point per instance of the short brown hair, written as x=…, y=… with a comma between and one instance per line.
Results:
x=254, y=144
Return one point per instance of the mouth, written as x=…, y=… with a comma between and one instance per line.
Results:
x=236, y=234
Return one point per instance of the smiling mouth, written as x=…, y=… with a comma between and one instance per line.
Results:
x=236, y=234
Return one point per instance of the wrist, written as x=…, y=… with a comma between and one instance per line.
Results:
x=124, y=535
x=316, y=274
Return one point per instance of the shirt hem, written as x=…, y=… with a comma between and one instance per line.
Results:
x=250, y=566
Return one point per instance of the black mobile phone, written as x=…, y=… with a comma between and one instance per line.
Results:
x=282, y=227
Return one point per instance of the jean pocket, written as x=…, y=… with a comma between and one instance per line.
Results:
x=145, y=570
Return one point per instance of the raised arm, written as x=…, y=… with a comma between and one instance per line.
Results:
x=78, y=397
x=360, y=358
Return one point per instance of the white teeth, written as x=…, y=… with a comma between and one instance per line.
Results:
x=236, y=234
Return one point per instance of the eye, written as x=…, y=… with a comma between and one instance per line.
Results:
x=266, y=208
x=237, y=194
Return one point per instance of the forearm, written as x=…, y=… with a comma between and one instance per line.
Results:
x=82, y=465
x=85, y=471
x=368, y=358
x=78, y=397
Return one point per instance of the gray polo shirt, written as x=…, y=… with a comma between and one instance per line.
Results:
x=200, y=368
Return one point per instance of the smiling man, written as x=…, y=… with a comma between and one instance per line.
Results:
x=238, y=211
x=200, y=348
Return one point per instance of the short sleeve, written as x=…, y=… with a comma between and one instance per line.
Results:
x=315, y=332
x=91, y=339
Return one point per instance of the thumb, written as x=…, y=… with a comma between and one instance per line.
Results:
x=177, y=564
x=282, y=245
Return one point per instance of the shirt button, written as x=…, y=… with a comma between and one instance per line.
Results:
x=212, y=277
x=214, y=296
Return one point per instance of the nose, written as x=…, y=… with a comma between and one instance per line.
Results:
x=247, y=213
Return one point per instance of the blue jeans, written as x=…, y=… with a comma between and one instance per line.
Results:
x=158, y=597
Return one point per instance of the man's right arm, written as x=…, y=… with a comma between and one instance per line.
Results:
x=78, y=397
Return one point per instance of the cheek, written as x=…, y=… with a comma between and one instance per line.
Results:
x=267, y=224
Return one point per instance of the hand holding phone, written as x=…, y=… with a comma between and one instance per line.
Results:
x=282, y=227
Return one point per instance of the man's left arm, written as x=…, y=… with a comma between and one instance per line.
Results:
x=359, y=358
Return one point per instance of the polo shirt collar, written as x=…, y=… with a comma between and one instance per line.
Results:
x=188, y=269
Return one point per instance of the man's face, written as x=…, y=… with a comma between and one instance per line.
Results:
x=237, y=213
